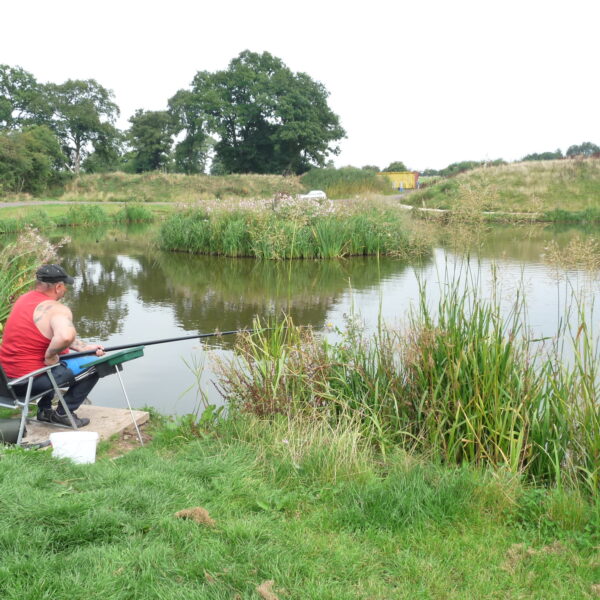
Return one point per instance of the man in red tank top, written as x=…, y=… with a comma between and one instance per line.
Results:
x=38, y=330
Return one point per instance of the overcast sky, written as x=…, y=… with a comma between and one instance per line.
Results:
x=427, y=82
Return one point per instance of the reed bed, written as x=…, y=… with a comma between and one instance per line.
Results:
x=463, y=384
x=79, y=215
x=18, y=262
x=288, y=228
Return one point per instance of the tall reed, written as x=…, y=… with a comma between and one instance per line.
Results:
x=463, y=383
x=18, y=262
x=277, y=234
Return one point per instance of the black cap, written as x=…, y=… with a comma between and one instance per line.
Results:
x=53, y=274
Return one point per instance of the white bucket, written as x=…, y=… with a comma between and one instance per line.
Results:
x=79, y=446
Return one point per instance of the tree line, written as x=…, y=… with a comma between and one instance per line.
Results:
x=256, y=116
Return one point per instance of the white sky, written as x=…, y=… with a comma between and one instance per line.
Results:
x=427, y=82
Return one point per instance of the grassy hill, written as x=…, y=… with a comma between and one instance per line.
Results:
x=174, y=187
x=346, y=182
x=571, y=185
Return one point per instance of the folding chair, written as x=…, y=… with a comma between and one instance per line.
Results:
x=9, y=399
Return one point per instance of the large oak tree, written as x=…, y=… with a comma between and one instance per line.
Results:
x=266, y=118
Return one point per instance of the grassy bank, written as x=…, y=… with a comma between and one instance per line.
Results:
x=172, y=187
x=14, y=220
x=283, y=509
x=346, y=182
x=288, y=228
x=463, y=383
x=542, y=187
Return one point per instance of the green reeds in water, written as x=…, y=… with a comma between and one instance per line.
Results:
x=463, y=384
x=268, y=235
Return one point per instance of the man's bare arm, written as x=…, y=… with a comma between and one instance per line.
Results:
x=78, y=345
x=63, y=333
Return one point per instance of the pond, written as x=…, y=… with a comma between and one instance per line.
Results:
x=128, y=291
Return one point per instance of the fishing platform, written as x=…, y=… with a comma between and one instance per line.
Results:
x=106, y=421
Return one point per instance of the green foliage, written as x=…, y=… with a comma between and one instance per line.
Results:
x=84, y=214
x=287, y=232
x=30, y=160
x=83, y=114
x=150, y=137
x=540, y=188
x=23, y=100
x=345, y=182
x=107, y=155
x=396, y=166
x=558, y=215
x=191, y=152
x=584, y=149
x=467, y=165
x=176, y=187
x=134, y=213
x=295, y=503
x=61, y=216
x=557, y=154
x=463, y=385
x=267, y=118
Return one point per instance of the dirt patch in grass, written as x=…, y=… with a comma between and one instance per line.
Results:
x=127, y=441
x=197, y=514
x=265, y=591
x=518, y=553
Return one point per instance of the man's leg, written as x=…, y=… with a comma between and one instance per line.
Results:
x=78, y=392
x=62, y=375
x=74, y=397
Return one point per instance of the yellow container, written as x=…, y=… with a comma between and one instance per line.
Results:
x=402, y=180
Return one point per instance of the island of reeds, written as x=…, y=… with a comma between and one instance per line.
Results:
x=288, y=227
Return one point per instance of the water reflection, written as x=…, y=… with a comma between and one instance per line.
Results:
x=128, y=291
x=204, y=293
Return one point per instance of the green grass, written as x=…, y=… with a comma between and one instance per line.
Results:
x=309, y=508
x=49, y=216
x=462, y=384
x=541, y=187
x=346, y=182
x=165, y=187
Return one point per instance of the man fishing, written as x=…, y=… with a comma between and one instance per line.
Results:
x=39, y=330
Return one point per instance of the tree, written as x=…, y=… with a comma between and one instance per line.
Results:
x=584, y=149
x=151, y=138
x=107, y=155
x=30, y=160
x=83, y=115
x=395, y=166
x=373, y=168
x=22, y=99
x=267, y=118
x=544, y=155
x=192, y=151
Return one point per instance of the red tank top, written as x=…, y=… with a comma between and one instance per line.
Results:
x=23, y=345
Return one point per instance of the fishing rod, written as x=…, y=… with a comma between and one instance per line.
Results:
x=165, y=341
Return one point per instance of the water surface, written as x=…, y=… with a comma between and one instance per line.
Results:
x=128, y=291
